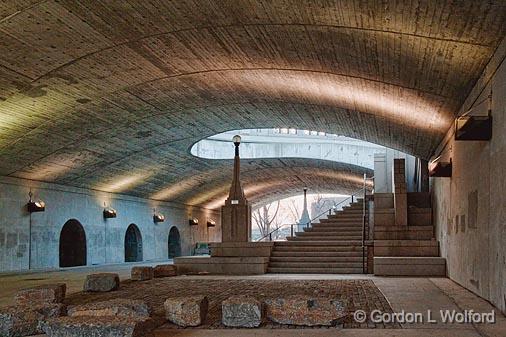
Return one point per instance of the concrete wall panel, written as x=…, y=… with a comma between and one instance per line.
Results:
x=86, y=206
x=470, y=207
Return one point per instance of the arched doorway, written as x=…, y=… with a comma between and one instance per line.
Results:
x=133, y=244
x=174, y=243
x=72, y=244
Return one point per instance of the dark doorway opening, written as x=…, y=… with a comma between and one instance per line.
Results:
x=133, y=244
x=174, y=243
x=72, y=244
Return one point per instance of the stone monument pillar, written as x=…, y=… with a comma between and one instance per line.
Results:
x=236, y=213
x=304, y=219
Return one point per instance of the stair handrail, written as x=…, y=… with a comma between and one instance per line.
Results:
x=308, y=224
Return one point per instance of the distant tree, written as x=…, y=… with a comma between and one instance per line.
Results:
x=295, y=213
x=264, y=217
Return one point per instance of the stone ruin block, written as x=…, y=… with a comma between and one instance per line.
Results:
x=87, y=326
x=141, y=273
x=241, y=311
x=165, y=270
x=186, y=311
x=26, y=320
x=306, y=311
x=101, y=282
x=118, y=307
x=48, y=293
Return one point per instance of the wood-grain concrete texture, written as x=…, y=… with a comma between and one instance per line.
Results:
x=111, y=95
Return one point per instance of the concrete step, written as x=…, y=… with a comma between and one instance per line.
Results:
x=333, y=228
x=353, y=270
x=315, y=265
x=330, y=233
x=410, y=266
x=317, y=253
x=325, y=238
x=325, y=243
x=342, y=220
x=403, y=232
x=316, y=259
x=317, y=249
x=340, y=214
x=407, y=248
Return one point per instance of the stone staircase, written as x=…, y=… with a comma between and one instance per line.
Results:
x=332, y=246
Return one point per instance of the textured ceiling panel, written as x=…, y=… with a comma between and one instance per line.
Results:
x=112, y=94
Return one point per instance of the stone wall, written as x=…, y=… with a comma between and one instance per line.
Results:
x=470, y=207
x=104, y=238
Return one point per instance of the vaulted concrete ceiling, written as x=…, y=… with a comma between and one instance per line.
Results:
x=111, y=94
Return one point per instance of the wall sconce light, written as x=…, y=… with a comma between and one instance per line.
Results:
x=193, y=222
x=439, y=168
x=109, y=213
x=35, y=206
x=158, y=217
x=211, y=223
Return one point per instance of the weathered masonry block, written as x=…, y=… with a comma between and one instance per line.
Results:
x=186, y=311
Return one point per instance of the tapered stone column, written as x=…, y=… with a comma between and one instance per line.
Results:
x=236, y=213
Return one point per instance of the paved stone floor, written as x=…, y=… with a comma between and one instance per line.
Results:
x=408, y=294
x=359, y=295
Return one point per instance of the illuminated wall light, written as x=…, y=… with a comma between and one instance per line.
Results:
x=211, y=223
x=193, y=222
x=110, y=213
x=35, y=206
x=158, y=217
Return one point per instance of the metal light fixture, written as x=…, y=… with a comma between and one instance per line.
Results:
x=439, y=168
x=158, y=217
x=35, y=206
x=109, y=213
x=211, y=223
x=237, y=140
x=193, y=222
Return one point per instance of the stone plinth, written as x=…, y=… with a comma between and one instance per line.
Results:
x=49, y=293
x=165, y=270
x=222, y=265
x=307, y=311
x=236, y=223
x=241, y=311
x=91, y=326
x=240, y=249
x=101, y=282
x=186, y=311
x=27, y=320
x=116, y=307
x=141, y=273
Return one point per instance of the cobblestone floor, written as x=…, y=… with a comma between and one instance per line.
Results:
x=360, y=294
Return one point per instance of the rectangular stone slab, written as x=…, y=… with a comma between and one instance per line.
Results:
x=186, y=311
x=116, y=307
x=96, y=327
x=241, y=311
x=304, y=310
x=165, y=270
x=141, y=273
x=101, y=282
x=20, y=320
x=48, y=293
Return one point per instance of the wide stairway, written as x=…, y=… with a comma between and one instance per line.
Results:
x=332, y=246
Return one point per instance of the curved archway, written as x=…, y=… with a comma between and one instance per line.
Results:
x=174, y=243
x=72, y=244
x=133, y=244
